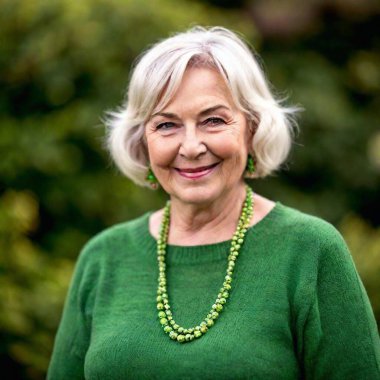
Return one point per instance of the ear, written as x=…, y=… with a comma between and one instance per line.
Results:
x=251, y=130
x=144, y=147
x=254, y=122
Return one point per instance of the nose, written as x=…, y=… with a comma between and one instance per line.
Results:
x=192, y=144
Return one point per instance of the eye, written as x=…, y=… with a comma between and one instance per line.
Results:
x=213, y=121
x=165, y=126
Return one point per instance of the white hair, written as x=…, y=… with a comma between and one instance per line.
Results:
x=158, y=74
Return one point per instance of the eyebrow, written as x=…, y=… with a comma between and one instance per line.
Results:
x=207, y=111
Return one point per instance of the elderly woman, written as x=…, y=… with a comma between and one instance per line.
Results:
x=221, y=283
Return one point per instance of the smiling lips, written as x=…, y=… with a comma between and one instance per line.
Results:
x=195, y=173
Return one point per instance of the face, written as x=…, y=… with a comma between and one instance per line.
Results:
x=197, y=144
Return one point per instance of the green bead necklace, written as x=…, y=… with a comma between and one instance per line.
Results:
x=176, y=332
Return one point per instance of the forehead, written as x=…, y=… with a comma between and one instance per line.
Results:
x=201, y=87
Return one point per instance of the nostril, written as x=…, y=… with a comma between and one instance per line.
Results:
x=192, y=148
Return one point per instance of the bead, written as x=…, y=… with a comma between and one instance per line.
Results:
x=214, y=314
x=175, y=331
x=163, y=321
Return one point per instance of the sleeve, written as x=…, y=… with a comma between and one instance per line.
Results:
x=73, y=335
x=339, y=337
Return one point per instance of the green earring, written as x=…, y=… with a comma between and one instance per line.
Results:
x=151, y=179
x=250, y=168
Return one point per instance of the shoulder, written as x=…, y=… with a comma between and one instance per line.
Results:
x=304, y=224
x=310, y=235
x=109, y=249
x=289, y=222
x=125, y=235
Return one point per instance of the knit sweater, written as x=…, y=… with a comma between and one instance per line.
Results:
x=297, y=308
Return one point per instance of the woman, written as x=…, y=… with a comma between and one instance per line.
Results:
x=221, y=283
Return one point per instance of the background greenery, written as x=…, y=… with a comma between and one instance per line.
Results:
x=64, y=63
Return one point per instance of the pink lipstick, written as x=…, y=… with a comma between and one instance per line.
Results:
x=196, y=173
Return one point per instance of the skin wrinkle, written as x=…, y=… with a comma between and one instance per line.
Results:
x=181, y=136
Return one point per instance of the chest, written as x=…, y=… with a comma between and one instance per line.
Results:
x=251, y=339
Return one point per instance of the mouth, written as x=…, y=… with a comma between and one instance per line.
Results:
x=195, y=173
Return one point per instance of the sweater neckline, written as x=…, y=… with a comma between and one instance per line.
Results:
x=207, y=252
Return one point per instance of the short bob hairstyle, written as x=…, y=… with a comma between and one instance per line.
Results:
x=156, y=77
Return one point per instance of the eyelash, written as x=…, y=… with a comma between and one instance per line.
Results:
x=163, y=125
x=212, y=120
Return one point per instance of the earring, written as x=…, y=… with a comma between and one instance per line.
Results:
x=151, y=179
x=250, y=167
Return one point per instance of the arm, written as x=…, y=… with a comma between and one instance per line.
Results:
x=339, y=337
x=73, y=335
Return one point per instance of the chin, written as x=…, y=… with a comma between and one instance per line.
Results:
x=197, y=195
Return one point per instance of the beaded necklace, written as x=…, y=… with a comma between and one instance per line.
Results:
x=175, y=331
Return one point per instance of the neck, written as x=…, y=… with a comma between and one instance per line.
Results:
x=208, y=223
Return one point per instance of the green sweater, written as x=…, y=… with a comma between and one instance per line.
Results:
x=297, y=308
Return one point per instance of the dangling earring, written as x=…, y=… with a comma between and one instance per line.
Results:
x=151, y=179
x=250, y=167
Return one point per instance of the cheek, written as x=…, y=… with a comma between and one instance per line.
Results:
x=229, y=147
x=161, y=153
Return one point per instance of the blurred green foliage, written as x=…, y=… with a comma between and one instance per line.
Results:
x=64, y=63
x=32, y=285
